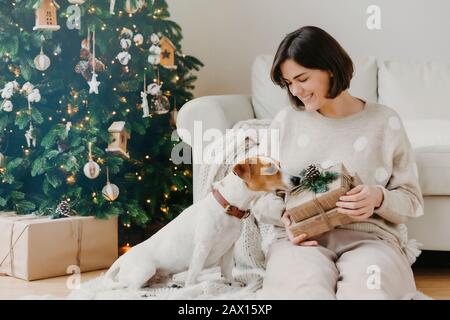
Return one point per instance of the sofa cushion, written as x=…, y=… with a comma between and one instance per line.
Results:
x=433, y=164
x=268, y=99
x=428, y=132
x=415, y=90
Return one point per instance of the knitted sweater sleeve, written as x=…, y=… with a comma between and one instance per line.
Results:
x=402, y=196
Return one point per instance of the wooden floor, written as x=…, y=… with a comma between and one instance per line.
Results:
x=432, y=282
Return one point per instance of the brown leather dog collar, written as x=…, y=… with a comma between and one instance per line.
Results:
x=229, y=209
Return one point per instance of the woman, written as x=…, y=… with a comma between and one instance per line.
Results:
x=365, y=259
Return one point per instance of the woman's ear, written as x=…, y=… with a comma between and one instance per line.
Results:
x=242, y=170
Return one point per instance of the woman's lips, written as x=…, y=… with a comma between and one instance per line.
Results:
x=307, y=98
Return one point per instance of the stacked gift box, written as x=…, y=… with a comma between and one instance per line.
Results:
x=312, y=205
x=37, y=247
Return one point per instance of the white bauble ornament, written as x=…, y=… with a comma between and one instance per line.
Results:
x=138, y=39
x=77, y=1
x=7, y=92
x=153, y=89
x=160, y=104
x=125, y=44
x=127, y=33
x=110, y=192
x=154, y=38
x=27, y=87
x=91, y=169
x=34, y=96
x=154, y=59
x=129, y=8
x=42, y=62
x=6, y=106
x=124, y=57
x=155, y=50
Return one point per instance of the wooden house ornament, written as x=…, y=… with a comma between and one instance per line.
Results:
x=118, y=137
x=46, y=16
x=167, y=55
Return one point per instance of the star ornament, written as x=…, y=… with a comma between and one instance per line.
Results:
x=93, y=84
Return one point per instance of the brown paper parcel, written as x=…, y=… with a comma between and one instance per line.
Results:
x=34, y=247
x=319, y=224
x=306, y=204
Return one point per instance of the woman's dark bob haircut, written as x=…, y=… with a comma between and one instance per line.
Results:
x=313, y=48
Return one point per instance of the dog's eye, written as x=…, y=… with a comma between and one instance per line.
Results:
x=271, y=170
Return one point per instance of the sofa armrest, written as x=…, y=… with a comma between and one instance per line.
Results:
x=220, y=112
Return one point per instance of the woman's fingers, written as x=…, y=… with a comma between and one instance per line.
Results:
x=299, y=239
x=353, y=212
x=309, y=243
x=286, y=219
x=353, y=205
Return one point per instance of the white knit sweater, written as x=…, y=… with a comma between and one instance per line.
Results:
x=372, y=143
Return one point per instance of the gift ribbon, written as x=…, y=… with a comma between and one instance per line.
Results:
x=322, y=212
x=11, y=244
x=79, y=235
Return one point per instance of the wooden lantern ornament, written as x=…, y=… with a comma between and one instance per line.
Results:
x=118, y=139
x=167, y=55
x=46, y=16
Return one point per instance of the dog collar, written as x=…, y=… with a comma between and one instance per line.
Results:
x=229, y=209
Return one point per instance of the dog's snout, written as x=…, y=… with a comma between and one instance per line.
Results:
x=295, y=180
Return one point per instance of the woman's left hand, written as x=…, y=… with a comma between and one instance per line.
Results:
x=360, y=202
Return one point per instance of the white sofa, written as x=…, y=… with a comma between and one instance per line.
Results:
x=419, y=92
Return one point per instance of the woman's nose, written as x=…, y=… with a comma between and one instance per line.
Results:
x=296, y=90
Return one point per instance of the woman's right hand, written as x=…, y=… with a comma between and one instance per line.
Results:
x=299, y=240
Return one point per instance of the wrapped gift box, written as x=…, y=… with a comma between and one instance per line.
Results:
x=319, y=224
x=315, y=214
x=306, y=204
x=35, y=247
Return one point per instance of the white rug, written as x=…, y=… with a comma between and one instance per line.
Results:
x=210, y=287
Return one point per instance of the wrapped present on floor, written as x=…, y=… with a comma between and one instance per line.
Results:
x=312, y=204
x=37, y=247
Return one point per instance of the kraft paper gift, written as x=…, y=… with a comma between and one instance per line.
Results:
x=36, y=247
x=306, y=204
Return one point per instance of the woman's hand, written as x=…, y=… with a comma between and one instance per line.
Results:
x=299, y=240
x=360, y=202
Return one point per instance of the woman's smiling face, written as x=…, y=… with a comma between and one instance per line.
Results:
x=311, y=86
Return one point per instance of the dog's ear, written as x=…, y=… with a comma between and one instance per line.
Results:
x=242, y=170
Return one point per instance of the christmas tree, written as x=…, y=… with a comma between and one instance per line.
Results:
x=89, y=94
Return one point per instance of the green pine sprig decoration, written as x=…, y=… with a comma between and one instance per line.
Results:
x=318, y=184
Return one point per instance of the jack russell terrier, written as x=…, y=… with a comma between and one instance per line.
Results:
x=203, y=235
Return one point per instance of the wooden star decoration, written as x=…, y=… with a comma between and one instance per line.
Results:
x=93, y=84
x=166, y=54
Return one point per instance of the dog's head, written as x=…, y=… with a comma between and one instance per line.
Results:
x=263, y=174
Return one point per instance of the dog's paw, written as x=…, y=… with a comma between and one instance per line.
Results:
x=234, y=283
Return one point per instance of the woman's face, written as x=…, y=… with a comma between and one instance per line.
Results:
x=309, y=85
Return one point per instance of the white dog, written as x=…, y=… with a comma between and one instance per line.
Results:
x=203, y=235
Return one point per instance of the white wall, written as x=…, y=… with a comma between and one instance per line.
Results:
x=227, y=34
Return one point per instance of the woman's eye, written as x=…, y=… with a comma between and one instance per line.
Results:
x=303, y=80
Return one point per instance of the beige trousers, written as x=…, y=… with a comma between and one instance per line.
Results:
x=346, y=264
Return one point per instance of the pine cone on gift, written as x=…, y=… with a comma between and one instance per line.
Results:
x=311, y=173
x=63, y=210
